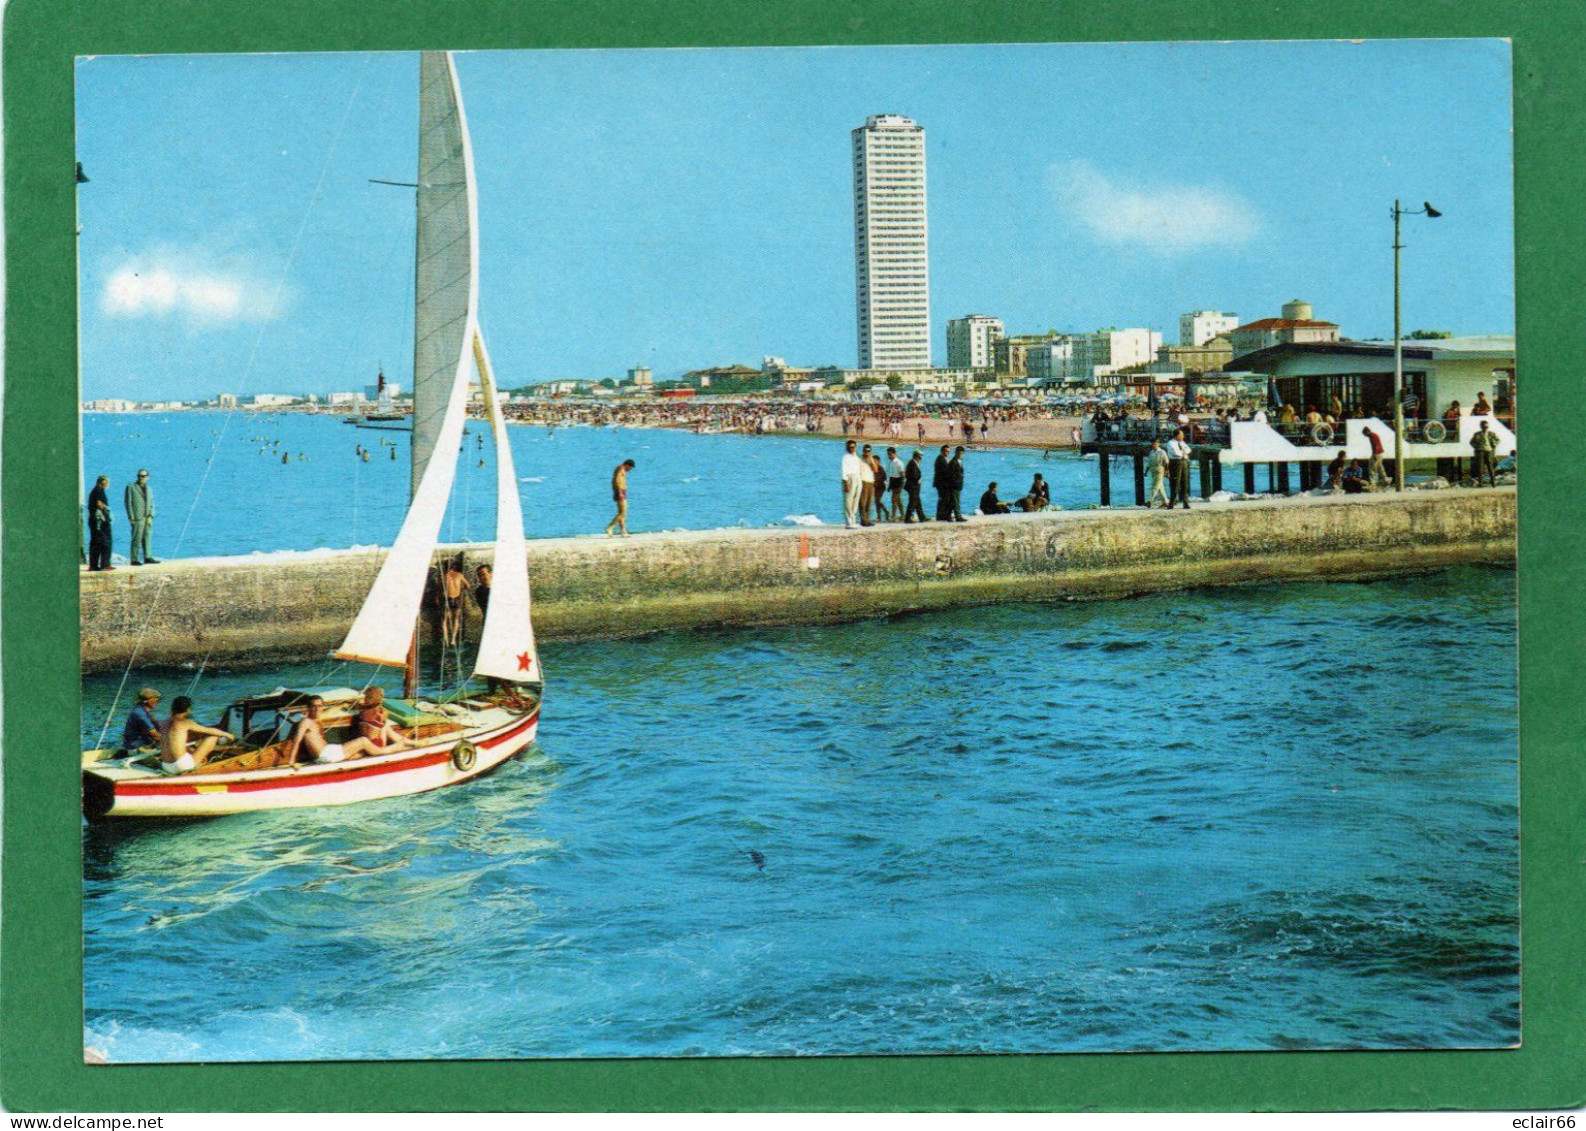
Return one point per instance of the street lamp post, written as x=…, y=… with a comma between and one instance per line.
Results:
x=1398, y=346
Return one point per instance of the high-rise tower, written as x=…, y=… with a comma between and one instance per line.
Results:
x=891, y=263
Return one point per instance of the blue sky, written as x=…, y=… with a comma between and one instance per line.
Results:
x=689, y=208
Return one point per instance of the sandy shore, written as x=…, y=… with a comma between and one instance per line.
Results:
x=1057, y=433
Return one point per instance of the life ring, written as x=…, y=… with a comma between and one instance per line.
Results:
x=1433, y=432
x=464, y=755
x=1321, y=434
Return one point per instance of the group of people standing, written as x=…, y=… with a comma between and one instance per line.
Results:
x=138, y=501
x=874, y=490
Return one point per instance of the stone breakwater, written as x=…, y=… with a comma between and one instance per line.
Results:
x=252, y=611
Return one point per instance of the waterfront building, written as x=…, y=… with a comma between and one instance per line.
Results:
x=341, y=398
x=971, y=341
x=1010, y=356
x=109, y=404
x=226, y=400
x=779, y=373
x=1048, y=362
x=641, y=377
x=271, y=400
x=891, y=259
x=1298, y=324
x=1210, y=355
x=373, y=392
x=1200, y=326
x=1360, y=374
x=1098, y=358
x=923, y=376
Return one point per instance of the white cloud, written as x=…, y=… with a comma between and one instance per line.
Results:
x=1165, y=218
x=197, y=288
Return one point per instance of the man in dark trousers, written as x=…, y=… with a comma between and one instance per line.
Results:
x=99, y=526
x=939, y=483
x=955, y=484
x=911, y=484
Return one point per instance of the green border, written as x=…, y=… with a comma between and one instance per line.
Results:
x=41, y=1065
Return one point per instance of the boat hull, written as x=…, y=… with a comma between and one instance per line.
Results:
x=107, y=796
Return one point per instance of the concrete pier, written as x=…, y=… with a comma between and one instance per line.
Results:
x=252, y=611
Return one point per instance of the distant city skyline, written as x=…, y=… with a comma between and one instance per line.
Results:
x=686, y=209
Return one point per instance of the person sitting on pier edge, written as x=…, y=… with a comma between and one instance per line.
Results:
x=175, y=758
x=912, y=475
x=1038, y=498
x=990, y=504
x=1481, y=407
x=142, y=731
x=1353, y=480
x=1379, y=477
x=1484, y=447
x=955, y=485
x=1156, y=468
x=1178, y=453
x=1335, y=471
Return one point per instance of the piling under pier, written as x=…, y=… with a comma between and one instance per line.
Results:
x=245, y=611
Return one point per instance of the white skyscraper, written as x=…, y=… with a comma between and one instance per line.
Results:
x=891, y=262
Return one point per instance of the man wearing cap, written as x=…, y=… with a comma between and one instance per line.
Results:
x=141, y=730
x=139, y=500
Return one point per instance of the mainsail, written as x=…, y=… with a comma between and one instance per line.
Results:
x=506, y=646
x=446, y=291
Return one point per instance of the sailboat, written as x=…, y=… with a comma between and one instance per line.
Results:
x=451, y=740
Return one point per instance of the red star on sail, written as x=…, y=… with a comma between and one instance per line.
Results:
x=525, y=661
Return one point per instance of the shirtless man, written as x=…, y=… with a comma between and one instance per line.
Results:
x=179, y=731
x=453, y=582
x=309, y=733
x=619, y=495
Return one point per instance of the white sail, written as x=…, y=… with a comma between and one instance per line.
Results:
x=446, y=283
x=506, y=646
x=446, y=300
x=383, y=630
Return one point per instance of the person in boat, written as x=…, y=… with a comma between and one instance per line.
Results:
x=454, y=584
x=142, y=732
x=180, y=729
x=619, y=495
x=310, y=733
x=374, y=724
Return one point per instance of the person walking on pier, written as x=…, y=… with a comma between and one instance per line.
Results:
x=955, y=485
x=1379, y=477
x=878, y=482
x=99, y=515
x=939, y=481
x=912, y=474
x=1178, y=453
x=867, y=486
x=895, y=485
x=619, y=495
x=139, y=501
x=855, y=472
x=1484, y=448
x=1156, y=467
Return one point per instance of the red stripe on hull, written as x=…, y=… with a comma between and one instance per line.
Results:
x=351, y=773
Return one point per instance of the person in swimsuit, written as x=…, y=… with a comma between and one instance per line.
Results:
x=619, y=495
x=453, y=584
x=311, y=734
x=374, y=725
x=179, y=731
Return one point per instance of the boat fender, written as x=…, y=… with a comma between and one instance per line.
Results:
x=464, y=755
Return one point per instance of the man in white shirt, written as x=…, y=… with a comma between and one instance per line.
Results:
x=855, y=473
x=895, y=484
x=1178, y=454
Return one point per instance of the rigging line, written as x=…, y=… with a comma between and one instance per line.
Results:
x=220, y=435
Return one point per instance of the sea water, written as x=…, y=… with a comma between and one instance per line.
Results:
x=1279, y=817
x=221, y=485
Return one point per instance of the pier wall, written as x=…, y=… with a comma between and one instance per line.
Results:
x=256, y=610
